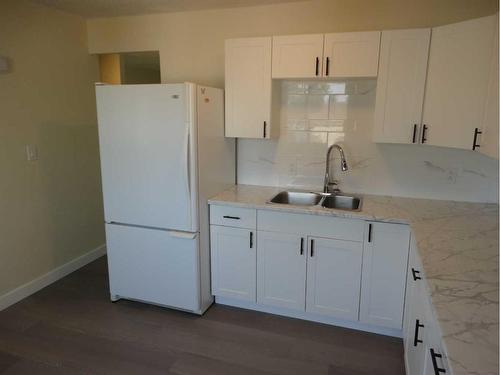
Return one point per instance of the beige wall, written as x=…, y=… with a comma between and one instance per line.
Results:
x=191, y=44
x=50, y=209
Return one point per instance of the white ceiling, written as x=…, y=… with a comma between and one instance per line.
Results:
x=112, y=8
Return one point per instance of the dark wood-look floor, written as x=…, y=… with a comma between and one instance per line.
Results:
x=71, y=327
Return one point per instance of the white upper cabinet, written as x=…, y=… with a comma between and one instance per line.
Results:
x=400, y=85
x=351, y=54
x=338, y=55
x=297, y=56
x=457, y=82
x=385, y=258
x=334, y=277
x=248, y=87
x=488, y=141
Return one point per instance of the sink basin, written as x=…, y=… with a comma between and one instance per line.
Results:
x=342, y=202
x=297, y=198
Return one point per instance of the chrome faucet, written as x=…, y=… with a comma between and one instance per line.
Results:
x=343, y=166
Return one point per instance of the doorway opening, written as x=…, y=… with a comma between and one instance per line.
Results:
x=130, y=67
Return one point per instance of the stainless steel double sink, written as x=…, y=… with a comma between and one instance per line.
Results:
x=337, y=201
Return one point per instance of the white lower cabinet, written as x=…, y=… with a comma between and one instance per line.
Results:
x=417, y=329
x=385, y=260
x=333, y=270
x=414, y=342
x=281, y=270
x=333, y=277
x=424, y=354
x=414, y=327
x=233, y=261
x=435, y=361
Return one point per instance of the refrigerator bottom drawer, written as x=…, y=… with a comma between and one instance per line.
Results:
x=153, y=266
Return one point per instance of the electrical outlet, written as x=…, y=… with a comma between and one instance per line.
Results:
x=4, y=64
x=31, y=152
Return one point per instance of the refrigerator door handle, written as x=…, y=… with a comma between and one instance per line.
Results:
x=179, y=234
x=188, y=161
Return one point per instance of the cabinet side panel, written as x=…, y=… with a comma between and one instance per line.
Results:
x=216, y=170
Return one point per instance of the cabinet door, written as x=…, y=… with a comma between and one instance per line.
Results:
x=233, y=261
x=385, y=261
x=435, y=349
x=416, y=341
x=457, y=81
x=441, y=363
x=281, y=270
x=410, y=286
x=248, y=87
x=415, y=316
x=433, y=345
x=489, y=139
x=400, y=85
x=351, y=54
x=334, y=277
x=297, y=56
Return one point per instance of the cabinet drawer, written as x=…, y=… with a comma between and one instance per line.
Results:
x=312, y=225
x=233, y=216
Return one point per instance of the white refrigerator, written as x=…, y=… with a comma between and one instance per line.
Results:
x=163, y=153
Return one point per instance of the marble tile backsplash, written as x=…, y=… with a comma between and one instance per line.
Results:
x=317, y=114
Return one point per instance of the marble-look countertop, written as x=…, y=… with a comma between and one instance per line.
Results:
x=458, y=246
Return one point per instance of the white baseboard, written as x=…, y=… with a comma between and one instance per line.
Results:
x=310, y=316
x=41, y=282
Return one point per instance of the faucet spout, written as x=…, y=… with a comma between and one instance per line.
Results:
x=343, y=166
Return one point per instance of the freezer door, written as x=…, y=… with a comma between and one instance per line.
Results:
x=155, y=266
x=147, y=155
